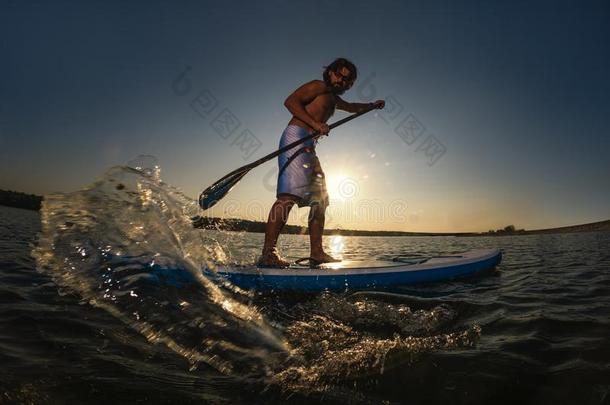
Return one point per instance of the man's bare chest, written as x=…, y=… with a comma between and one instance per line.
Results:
x=322, y=106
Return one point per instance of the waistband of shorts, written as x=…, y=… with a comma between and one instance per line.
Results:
x=297, y=127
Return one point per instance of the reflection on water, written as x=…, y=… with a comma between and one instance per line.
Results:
x=337, y=245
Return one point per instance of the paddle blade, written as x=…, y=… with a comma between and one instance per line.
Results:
x=211, y=195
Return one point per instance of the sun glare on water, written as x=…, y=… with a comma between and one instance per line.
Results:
x=337, y=245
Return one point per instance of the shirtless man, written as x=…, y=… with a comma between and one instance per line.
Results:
x=301, y=179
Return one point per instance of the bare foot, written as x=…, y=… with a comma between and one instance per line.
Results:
x=323, y=258
x=272, y=259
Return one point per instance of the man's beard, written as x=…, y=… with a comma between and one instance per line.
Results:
x=338, y=89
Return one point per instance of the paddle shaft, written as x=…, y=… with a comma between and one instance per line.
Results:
x=315, y=134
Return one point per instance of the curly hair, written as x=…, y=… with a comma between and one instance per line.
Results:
x=336, y=66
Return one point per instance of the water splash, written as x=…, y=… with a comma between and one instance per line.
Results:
x=126, y=245
x=336, y=339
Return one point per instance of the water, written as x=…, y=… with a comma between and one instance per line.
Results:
x=85, y=318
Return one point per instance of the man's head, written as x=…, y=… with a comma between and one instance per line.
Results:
x=340, y=75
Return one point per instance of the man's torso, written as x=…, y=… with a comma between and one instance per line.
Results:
x=320, y=108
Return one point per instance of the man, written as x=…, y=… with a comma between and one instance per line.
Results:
x=301, y=179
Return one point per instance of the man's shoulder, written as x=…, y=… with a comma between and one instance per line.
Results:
x=316, y=84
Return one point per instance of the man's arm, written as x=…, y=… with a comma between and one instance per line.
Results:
x=357, y=107
x=296, y=102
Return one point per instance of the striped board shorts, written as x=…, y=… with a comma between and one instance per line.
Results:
x=301, y=175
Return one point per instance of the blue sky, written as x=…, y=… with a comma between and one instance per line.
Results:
x=514, y=93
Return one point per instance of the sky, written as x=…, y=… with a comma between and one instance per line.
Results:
x=496, y=112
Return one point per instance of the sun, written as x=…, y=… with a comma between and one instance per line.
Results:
x=340, y=186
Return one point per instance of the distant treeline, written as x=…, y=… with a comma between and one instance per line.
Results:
x=20, y=200
x=510, y=230
x=244, y=225
x=590, y=227
x=507, y=230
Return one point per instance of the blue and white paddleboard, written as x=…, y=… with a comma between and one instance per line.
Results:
x=360, y=274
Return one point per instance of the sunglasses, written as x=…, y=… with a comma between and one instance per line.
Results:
x=345, y=78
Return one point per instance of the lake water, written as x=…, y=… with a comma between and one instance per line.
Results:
x=82, y=320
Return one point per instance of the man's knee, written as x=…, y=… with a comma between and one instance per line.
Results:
x=281, y=209
x=317, y=211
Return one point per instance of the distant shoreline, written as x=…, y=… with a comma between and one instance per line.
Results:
x=16, y=199
x=244, y=225
x=33, y=202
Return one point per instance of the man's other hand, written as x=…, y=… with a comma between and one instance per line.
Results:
x=379, y=104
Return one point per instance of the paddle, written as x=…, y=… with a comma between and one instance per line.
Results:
x=211, y=195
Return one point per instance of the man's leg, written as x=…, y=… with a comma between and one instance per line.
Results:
x=278, y=215
x=316, y=229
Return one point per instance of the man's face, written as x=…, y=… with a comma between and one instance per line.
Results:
x=341, y=80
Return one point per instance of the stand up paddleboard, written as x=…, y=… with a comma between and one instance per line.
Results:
x=362, y=274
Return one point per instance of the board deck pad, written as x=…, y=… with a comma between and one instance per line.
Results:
x=349, y=264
